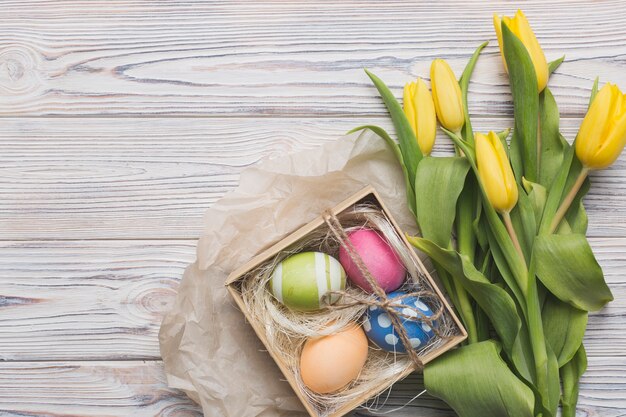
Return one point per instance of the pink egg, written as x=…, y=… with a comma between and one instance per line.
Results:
x=381, y=261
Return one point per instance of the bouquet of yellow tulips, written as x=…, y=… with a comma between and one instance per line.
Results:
x=504, y=224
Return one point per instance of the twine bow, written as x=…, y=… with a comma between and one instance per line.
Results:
x=392, y=306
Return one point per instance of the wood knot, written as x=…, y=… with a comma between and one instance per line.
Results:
x=19, y=69
x=148, y=300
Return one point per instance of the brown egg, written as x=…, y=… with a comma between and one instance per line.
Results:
x=329, y=363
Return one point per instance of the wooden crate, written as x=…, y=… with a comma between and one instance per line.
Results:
x=369, y=195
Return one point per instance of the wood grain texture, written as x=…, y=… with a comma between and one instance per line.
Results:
x=88, y=389
x=133, y=178
x=280, y=58
x=112, y=389
x=87, y=300
x=104, y=300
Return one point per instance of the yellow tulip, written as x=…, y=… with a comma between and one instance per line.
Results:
x=420, y=111
x=495, y=173
x=447, y=96
x=602, y=134
x=521, y=28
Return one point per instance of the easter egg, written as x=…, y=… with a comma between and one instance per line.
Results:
x=301, y=280
x=329, y=363
x=379, y=329
x=380, y=259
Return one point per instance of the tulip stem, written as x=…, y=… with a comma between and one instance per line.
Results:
x=569, y=198
x=459, y=151
x=509, y=228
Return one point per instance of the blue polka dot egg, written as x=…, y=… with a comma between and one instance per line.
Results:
x=378, y=327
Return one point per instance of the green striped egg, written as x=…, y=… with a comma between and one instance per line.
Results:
x=300, y=281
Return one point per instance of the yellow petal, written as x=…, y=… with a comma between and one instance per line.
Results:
x=612, y=147
x=409, y=108
x=525, y=33
x=614, y=137
x=505, y=167
x=594, y=126
x=497, y=24
x=426, y=119
x=447, y=96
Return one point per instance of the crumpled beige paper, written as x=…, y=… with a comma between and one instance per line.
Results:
x=208, y=349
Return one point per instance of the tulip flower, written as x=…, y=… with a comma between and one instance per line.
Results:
x=495, y=172
x=447, y=96
x=420, y=111
x=602, y=134
x=521, y=28
x=600, y=140
x=496, y=175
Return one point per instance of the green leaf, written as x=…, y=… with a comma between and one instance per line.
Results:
x=563, y=181
x=564, y=328
x=546, y=365
x=576, y=217
x=503, y=135
x=552, y=66
x=503, y=240
x=477, y=225
x=505, y=271
x=411, y=153
x=410, y=194
x=482, y=324
x=515, y=156
x=537, y=195
x=567, y=267
x=551, y=397
x=570, y=375
x=466, y=214
x=438, y=183
x=552, y=146
x=555, y=193
x=523, y=82
x=476, y=382
x=524, y=222
x=522, y=358
x=467, y=133
x=494, y=300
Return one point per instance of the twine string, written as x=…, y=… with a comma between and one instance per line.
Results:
x=392, y=306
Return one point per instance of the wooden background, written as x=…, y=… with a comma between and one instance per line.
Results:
x=122, y=121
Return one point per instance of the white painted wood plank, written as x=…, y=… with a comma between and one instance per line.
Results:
x=280, y=58
x=154, y=178
x=121, y=389
x=101, y=300
x=88, y=389
x=78, y=300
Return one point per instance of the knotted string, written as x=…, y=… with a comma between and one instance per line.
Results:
x=392, y=306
